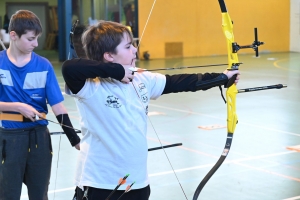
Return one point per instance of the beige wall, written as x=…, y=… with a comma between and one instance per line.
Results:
x=197, y=24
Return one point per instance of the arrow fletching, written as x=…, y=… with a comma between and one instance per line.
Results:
x=120, y=182
x=128, y=188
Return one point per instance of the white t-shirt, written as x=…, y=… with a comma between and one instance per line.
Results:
x=114, y=126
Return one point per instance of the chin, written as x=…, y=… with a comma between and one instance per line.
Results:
x=27, y=52
x=133, y=63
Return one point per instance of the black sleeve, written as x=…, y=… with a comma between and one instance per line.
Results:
x=189, y=82
x=68, y=128
x=76, y=71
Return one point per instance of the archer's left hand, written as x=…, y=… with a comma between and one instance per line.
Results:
x=230, y=73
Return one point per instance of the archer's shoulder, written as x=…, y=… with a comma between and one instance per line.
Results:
x=150, y=76
x=2, y=52
x=40, y=59
x=78, y=61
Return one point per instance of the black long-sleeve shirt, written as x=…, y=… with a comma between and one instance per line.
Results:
x=76, y=71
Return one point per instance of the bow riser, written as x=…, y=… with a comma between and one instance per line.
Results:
x=227, y=26
x=233, y=64
x=232, y=118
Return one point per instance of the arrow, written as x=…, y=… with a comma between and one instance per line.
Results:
x=135, y=69
x=166, y=146
x=128, y=188
x=121, y=182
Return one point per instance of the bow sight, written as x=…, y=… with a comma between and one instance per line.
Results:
x=254, y=45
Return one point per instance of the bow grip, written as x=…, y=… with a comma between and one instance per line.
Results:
x=231, y=81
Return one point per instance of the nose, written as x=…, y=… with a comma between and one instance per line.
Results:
x=35, y=43
x=134, y=50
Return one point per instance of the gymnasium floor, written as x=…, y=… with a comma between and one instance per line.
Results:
x=259, y=165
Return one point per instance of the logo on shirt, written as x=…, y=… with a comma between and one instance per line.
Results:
x=143, y=92
x=113, y=102
x=5, y=77
x=2, y=76
x=35, y=96
x=141, y=86
x=144, y=98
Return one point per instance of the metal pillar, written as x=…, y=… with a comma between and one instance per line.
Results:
x=64, y=27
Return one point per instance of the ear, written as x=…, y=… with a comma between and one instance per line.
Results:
x=108, y=57
x=13, y=35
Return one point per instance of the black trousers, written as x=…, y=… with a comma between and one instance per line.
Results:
x=26, y=156
x=102, y=194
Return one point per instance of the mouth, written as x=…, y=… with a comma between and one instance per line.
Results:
x=133, y=62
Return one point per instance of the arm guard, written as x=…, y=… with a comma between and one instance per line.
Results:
x=193, y=82
x=70, y=132
x=218, y=81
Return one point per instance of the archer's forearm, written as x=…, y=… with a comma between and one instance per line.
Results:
x=189, y=82
x=76, y=71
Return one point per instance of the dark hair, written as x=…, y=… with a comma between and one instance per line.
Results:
x=103, y=37
x=80, y=28
x=23, y=21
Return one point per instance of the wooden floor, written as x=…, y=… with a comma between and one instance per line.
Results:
x=259, y=166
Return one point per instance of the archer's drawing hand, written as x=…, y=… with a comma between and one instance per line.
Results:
x=28, y=111
x=230, y=73
x=129, y=75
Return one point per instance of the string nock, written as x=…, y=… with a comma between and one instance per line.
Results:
x=2, y=161
x=36, y=146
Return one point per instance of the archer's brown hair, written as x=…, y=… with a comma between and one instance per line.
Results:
x=23, y=21
x=103, y=37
